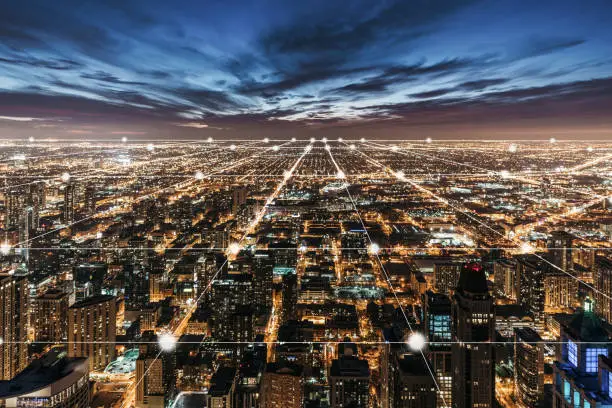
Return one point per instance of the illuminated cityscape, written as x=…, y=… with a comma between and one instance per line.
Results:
x=306, y=204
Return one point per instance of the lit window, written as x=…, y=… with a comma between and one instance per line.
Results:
x=591, y=358
x=610, y=384
x=572, y=353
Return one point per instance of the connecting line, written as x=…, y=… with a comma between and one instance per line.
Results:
x=401, y=177
x=383, y=270
x=315, y=342
x=253, y=224
x=497, y=173
x=136, y=200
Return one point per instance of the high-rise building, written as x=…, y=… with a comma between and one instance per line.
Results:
x=50, y=316
x=154, y=373
x=92, y=331
x=349, y=379
x=52, y=381
x=528, y=366
x=239, y=196
x=505, y=277
x=446, y=275
x=282, y=386
x=228, y=296
x=560, y=250
x=438, y=324
x=560, y=289
x=263, y=266
x=222, y=388
x=90, y=200
x=13, y=326
x=531, y=294
x=473, y=358
x=414, y=386
x=68, y=210
x=582, y=365
x=603, y=287
x=15, y=202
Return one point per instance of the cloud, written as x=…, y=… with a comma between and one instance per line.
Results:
x=195, y=125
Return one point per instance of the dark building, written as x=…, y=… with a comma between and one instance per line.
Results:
x=438, y=324
x=603, y=287
x=263, y=266
x=531, y=294
x=446, y=275
x=414, y=386
x=68, y=210
x=560, y=250
x=528, y=367
x=473, y=358
x=349, y=379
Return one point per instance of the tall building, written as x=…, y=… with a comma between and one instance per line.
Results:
x=263, y=266
x=528, y=367
x=446, y=275
x=222, y=388
x=560, y=250
x=531, y=293
x=289, y=297
x=90, y=200
x=92, y=331
x=15, y=202
x=438, y=324
x=349, y=380
x=228, y=296
x=505, y=277
x=68, y=210
x=414, y=386
x=282, y=386
x=560, y=289
x=154, y=373
x=239, y=196
x=582, y=362
x=13, y=326
x=473, y=356
x=602, y=282
x=52, y=381
x=50, y=316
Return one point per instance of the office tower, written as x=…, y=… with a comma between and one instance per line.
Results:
x=248, y=392
x=560, y=289
x=91, y=330
x=222, y=388
x=414, y=386
x=446, y=275
x=473, y=357
x=438, y=324
x=282, y=386
x=263, y=266
x=51, y=381
x=50, y=316
x=349, y=379
x=68, y=211
x=13, y=325
x=90, y=200
x=602, y=282
x=289, y=297
x=582, y=363
x=239, y=195
x=228, y=295
x=560, y=250
x=504, y=271
x=15, y=202
x=150, y=391
x=206, y=267
x=530, y=286
x=136, y=287
x=528, y=366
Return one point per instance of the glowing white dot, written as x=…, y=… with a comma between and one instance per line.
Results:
x=340, y=175
x=324, y=140
x=286, y=174
x=552, y=140
x=123, y=139
x=399, y=174
x=512, y=148
x=327, y=147
x=234, y=248
x=312, y=140
x=266, y=140
x=416, y=341
x=31, y=139
x=167, y=342
x=374, y=248
x=394, y=148
x=428, y=140
x=504, y=174
x=526, y=247
x=99, y=235
x=303, y=248
x=199, y=175
x=293, y=139
x=65, y=177
x=5, y=248
x=209, y=140
x=340, y=139
x=150, y=147
x=362, y=140
x=352, y=147
x=233, y=147
x=590, y=149
x=276, y=148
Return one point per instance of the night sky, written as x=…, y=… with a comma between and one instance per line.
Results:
x=284, y=68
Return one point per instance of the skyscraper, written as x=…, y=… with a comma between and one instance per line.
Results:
x=239, y=195
x=282, y=386
x=603, y=287
x=560, y=250
x=349, y=379
x=13, y=326
x=528, y=366
x=446, y=275
x=68, y=211
x=473, y=357
x=92, y=331
x=438, y=324
x=263, y=266
x=530, y=286
x=414, y=386
x=50, y=316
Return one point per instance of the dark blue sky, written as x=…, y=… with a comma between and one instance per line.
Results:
x=406, y=68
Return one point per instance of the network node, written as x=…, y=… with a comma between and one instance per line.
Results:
x=209, y=140
x=374, y=248
x=552, y=140
x=5, y=248
x=66, y=177
x=428, y=140
x=199, y=175
x=234, y=248
x=340, y=175
x=266, y=140
x=123, y=139
x=416, y=341
x=512, y=148
x=150, y=147
x=276, y=148
x=167, y=342
x=232, y=147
